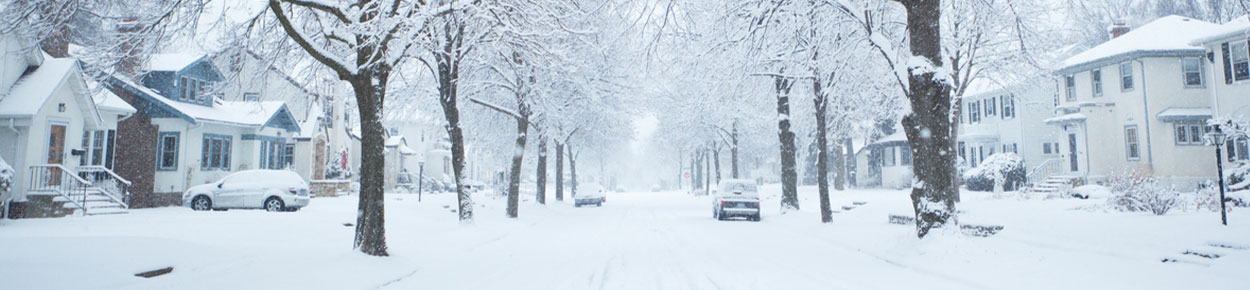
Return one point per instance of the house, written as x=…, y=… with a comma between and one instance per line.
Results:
x=885, y=163
x=1228, y=55
x=1138, y=102
x=184, y=135
x=58, y=136
x=997, y=118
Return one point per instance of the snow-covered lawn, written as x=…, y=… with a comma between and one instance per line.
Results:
x=664, y=240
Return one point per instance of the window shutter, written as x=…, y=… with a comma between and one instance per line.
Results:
x=1228, y=65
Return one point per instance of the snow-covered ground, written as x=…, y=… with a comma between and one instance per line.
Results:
x=665, y=240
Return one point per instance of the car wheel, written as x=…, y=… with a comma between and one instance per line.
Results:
x=577, y=204
x=720, y=216
x=756, y=217
x=715, y=214
x=600, y=204
x=274, y=204
x=201, y=203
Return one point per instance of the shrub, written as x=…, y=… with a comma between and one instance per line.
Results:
x=1007, y=166
x=1132, y=191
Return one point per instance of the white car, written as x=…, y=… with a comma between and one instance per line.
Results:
x=590, y=193
x=736, y=198
x=272, y=190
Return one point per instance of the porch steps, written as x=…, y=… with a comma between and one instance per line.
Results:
x=97, y=202
x=1052, y=184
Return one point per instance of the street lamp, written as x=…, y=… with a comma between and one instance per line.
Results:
x=1217, y=138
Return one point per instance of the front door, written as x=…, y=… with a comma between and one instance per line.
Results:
x=56, y=152
x=1072, y=152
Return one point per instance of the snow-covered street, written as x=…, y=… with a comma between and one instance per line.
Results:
x=637, y=240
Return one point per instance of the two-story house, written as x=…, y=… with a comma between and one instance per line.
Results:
x=999, y=118
x=184, y=135
x=1228, y=56
x=1137, y=102
x=58, y=136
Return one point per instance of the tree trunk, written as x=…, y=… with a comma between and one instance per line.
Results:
x=849, y=161
x=698, y=169
x=733, y=150
x=518, y=153
x=789, y=176
x=559, y=171
x=370, y=220
x=681, y=171
x=716, y=162
x=822, y=154
x=954, y=143
x=707, y=176
x=541, y=179
x=448, y=81
x=839, y=166
x=572, y=172
x=928, y=126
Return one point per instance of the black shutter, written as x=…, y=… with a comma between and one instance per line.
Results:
x=1228, y=65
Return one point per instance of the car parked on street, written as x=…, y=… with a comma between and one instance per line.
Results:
x=590, y=193
x=736, y=198
x=272, y=190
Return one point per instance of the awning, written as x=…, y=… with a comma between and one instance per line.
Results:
x=1184, y=114
x=1066, y=119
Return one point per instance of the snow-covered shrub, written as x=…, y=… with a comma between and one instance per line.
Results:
x=1133, y=191
x=336, y=169
x=1007, y=168
x=1238, y=177
x=6, y=176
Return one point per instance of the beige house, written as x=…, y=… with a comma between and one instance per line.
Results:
x=1138, y=102
x=1229, y=88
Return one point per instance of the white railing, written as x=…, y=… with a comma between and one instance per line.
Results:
x=60, y=180
x=113, y=185
x=1048, y=168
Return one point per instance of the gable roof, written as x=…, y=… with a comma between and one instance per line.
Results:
x=1170, y=34
x=32, y=90
x=172, y=61
x=272, y=114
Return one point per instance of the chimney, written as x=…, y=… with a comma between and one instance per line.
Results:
x=57, y=43
x=1118, y=28
x=131, y=63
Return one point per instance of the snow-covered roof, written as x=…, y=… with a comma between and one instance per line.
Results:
x=896, y=137
x=403, y=149
x=1239, y=25
x=1069, y=118
x=395, y=141
x=107, y=100
x=1184, y=114
x=1168, y=34
x=32, y=90
x=172, y=61
x=239, y=113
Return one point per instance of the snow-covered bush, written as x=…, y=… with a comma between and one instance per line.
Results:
x=1006, y=168
x=1133, y=191
x=1238, y=177
x=6, y=176
x=336, y=169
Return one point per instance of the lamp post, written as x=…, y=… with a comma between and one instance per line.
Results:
x=1217, y=138
x=421, y=177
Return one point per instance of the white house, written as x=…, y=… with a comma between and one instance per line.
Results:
x=1228, y=56
x=187, y=136
x=996, y=119
x=56, y=131
x=1138, y=102
x=885, y=163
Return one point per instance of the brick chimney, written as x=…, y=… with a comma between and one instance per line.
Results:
x=130, y=64
x=1118, y=28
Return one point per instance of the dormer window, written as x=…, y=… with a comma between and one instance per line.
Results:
x=192, y=90
x=251, y=97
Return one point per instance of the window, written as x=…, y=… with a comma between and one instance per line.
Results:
x=887, y=156
x=273, y=154
x=93, y=142
x=1241, y=61
x=215, y=155
x=974, y=108
x=1009, y=106
x=251, y=97
x=906, y=154
x=167, y=155
x=1070, y=83
x=1126, y=76
x=961, y=150
x=1046, y=148
x=1095, y=77
x=1130, y=142
x=1238, y=150
x=182, y=87
x=289, y=156
x=1190, y=133
x=1192, y=68
x=990, y=105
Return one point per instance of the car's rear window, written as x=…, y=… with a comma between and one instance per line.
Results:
x=738, y=187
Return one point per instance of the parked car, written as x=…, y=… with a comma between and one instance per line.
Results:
x=655, y=188
x=590, y=193
x=272, y=190
x=736, y=198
